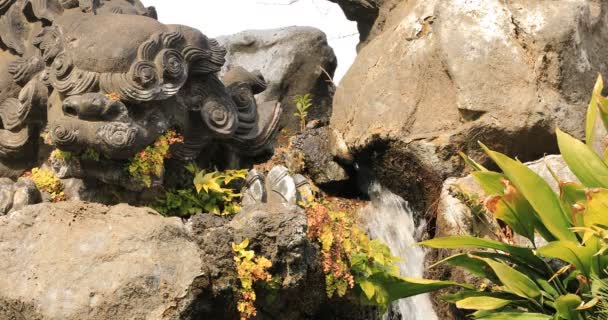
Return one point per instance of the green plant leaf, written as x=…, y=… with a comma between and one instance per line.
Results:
x=566, y=306
x=473, y=265
x=513, y=209
x=368, y=288
x=472, y=163
x=592, y=111
x=207, y=181
x=403, y=287
x=596, y=212
x=514, y=281
x=578, y=255
x=491, y=182
x=583, y=161
x=514, y=316
x=482, y=303
x=455, y=297
x=525, y=255
x=536, y=190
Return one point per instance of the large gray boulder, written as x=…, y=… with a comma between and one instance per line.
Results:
x=84, y=261
x=371, y=16
x=291, y=60
x=444, y=74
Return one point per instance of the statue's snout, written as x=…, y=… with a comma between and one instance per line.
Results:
x=95, y=107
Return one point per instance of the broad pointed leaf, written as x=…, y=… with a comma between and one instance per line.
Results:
x=580, y=256
x=592, y=111
x=514, y=281
x=597, y=208
x=588, y=167
x=566, y=306
x=513, y=209
x=525, y=255
x=491, y=182
x=482, y=303
x=472, y=163
x=514, y=316
x=536, y=190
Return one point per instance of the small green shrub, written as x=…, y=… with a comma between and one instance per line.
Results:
x=90, y=154
x=250, y=269
x=210, y=192
x=351, y=260
x=61, y=155
x=46, y=181
x=149, y=163
x=303, y=103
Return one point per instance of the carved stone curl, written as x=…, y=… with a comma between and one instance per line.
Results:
x=74, y=75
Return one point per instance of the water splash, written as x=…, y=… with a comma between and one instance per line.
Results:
x=389, y=218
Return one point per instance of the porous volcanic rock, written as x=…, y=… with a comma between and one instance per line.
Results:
x=443, y=75
x=278, y=232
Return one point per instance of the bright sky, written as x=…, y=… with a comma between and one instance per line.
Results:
x=223, y=17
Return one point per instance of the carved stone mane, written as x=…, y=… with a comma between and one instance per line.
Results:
x=60, y=60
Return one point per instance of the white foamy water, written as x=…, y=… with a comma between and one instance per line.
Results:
x=389, y=218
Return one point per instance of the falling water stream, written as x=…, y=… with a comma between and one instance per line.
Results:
x=389, y=218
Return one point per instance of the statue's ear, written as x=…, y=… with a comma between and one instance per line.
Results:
x=14, y=28
x=50, y=41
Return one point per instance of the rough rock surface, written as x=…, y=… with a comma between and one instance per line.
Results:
x=276, y=231
x=444, y=74
x=74, y=260
x=17, y=195
x=290, y=60
x=371, y=16
x=83, y=261
x=319, y=150
x=455, y=218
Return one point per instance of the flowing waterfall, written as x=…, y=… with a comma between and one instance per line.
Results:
x=389, y=218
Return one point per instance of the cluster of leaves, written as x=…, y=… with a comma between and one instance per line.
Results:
x=150, y=162
x=210, y=192
x=250, y=269
x=573, y=223
x=114, y=96
x=46, y=181
x=303, y=103
x=351, y=260
x=90, y=154
x=64, y=156
x=601, y=288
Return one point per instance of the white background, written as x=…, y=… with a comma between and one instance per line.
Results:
x=222, y=17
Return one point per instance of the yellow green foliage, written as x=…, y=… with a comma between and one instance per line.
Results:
x=351, y=260
x=149, y=163
x=573, y=223
x=90, y=154
x=46, y=181
x=210, y=192
x=250, y=269
x=64, y=156
x=303, y=103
